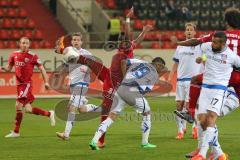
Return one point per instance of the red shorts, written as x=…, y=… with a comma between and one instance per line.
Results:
x=199, y=78
x=24, y=92
x=235, y=79
x=108, y=92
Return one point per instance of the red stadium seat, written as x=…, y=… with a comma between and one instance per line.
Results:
x=11, y=44
x=46, y=45
x=28, y=33
x=110, y=4
x=35, y=45
x=150, y=22
x=2, y=45
x=149, y=36
x=16, y=34
x=4, y=34
x=157, y=35
x=30, y=24
x=138, y=24
x=166, y=45
x=156, y=45
x=180, y=35
x=22, y=13
x=2, y=12
x=4, y=3
x=7, y=23
x=11, y=12
x=19, y=23
x=15, y=3
x=38, y=35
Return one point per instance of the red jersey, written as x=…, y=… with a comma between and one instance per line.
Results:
x=115, y=69
x=24, y=64
x=233, y=40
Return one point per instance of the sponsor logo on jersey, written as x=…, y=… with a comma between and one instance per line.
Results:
x=18, y=63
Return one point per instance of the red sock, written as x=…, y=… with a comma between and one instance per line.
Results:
x=101, y=140
x=18, y=120
x=39, y=111
x=194, y=94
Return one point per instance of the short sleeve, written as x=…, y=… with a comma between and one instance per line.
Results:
x=176, y=56
x=37, y=61
x=11, y=60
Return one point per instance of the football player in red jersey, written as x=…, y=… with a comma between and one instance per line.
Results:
x=24, y=61
x=232, y=18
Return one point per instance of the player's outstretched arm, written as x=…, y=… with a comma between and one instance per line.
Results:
x=190, y=42
x=141, y=36
x=174, y=70
x=45, y=76
x=127, y=24
x=8, y=68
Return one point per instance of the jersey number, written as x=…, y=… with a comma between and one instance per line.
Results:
x=234, y=43
x=214, y=101
x=140, y=71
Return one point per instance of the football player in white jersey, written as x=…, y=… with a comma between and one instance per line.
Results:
x=79, y=76
x=186, y=67
x=218, y=67
x=139, y=79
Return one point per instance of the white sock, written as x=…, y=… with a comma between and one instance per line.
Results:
x=91, y=107
x=179, y=124
x=207, y=139
x=69, y=123
x=216, y=148
x=184, y=124
x=146, y=127
x=200, y=134
x=102, y=129
x=194, y=124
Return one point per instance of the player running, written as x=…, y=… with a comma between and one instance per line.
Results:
x=218, y=68
x=186, y=67
x=232, y=18
x=139, y=79
x=24, y=62
x=79, y=76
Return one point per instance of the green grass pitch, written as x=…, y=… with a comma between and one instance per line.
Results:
x=38, y=140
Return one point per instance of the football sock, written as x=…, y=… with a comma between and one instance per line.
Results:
x=18, y=120
x=208, y=137
x=194, y=94
x=39, y=111
x=146, y=127
x=102, y=129
x=69, y=123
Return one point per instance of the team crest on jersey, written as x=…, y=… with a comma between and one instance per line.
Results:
x=39, y=61
x=26, y=60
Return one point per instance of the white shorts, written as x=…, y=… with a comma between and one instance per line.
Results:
x=230, y=105
x=124, y=96
x=182, y=91
x=78, y=98
x=211, y=100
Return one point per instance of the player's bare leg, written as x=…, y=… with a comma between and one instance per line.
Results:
x=18, y=120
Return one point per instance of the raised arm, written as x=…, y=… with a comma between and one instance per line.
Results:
x=127, y=24
x=190, y=42
x=141, y=36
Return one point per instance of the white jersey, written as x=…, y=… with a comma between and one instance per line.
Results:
x=218, y=66
x=186, y=59
x=79, y=73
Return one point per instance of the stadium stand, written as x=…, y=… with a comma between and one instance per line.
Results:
x=17, y=19
x=169, y=16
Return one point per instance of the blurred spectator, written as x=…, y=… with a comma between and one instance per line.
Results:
x=114, y=27
x=186, y=14
x=53, y=6
x=171, y=10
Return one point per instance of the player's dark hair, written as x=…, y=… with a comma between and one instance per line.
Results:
x=159, y=60
x=76, y=34
x=221, y=35
x=232, y=17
